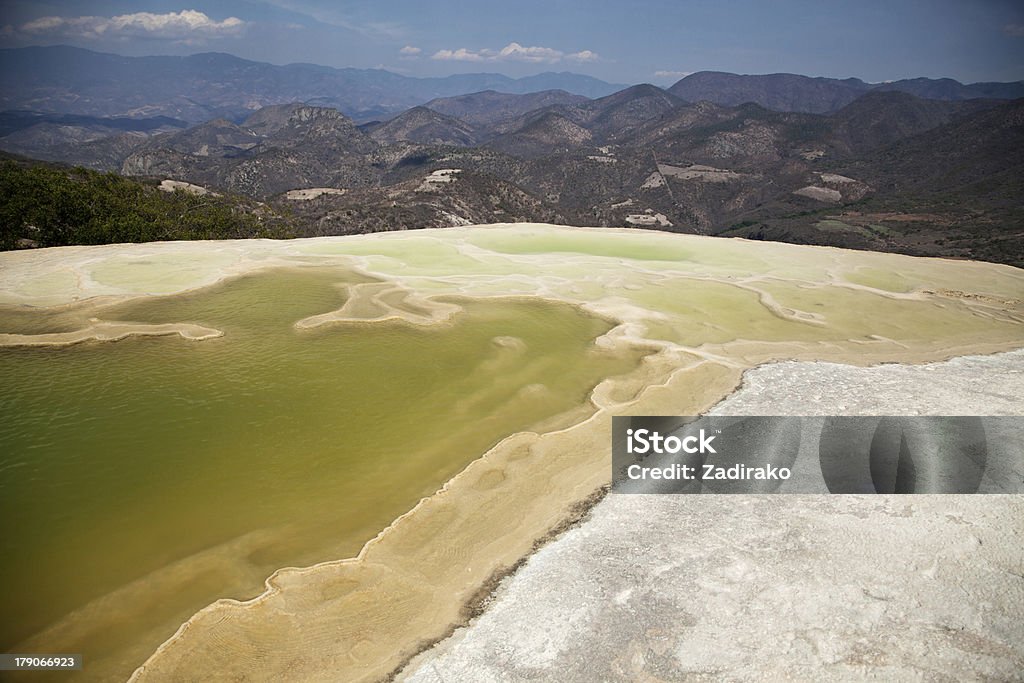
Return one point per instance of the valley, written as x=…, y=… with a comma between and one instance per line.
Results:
x=884, y=170
x=309, y=372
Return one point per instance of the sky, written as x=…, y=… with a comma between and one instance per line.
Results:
x=628, y=41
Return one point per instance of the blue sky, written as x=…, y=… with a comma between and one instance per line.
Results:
x=654, y=41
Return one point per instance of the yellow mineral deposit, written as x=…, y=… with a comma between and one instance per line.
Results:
x=379, y=424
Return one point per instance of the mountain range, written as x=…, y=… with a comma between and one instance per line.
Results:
x=888, y=170
x=792, y=92
x=200, y=87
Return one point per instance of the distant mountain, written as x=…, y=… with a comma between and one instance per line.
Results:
x=217, y=138
x=948, y=89
x=887, y=171
x=676, y=124
x=202, y=87
x=427, y=127
x=606, y=119
x=617, y=116
x=882, y=117
x=297, y=123
x=98, y=149
x=13, y=121
x=490, y=108
x=564, y=80
x=90, y=141
x=791, y=92
x=981, y=154
x=545, y=134
x=739, y=137
x=276, y=149
x=954, y=190
x=780, y=92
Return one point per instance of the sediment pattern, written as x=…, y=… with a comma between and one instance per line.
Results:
x=705, y=308
x=776, y=587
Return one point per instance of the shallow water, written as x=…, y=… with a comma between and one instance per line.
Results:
x=141, y=479
x=164, y=473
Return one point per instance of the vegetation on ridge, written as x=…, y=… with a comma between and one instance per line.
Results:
x=50, y=206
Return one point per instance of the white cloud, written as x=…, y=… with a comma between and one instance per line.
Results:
x=186, y=25
x=514, y=52
x=409, y=50
x=460, y=55
x=672, y=74
x=1015, y=30
x=583, y=56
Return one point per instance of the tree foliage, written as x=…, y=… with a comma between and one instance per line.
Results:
x=53, y=206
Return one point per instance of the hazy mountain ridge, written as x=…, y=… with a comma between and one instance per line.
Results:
x=491, y=108
x=13, y=121
x=215, y=85
x=882, y=117
x=87, y=140
x=793, y=92
x=201, y=87
x=541, y=135
x=983, y=148
x=424, y=126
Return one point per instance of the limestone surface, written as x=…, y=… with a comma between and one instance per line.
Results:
x=776, y=587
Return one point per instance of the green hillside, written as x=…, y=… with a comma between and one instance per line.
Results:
x=51, y=206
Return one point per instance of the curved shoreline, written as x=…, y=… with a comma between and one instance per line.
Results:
x=461, y=484
x=111, y=332
x=583, y=498
x=400, y=562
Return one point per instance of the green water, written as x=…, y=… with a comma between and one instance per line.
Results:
x=584, y=243
x=164, y=473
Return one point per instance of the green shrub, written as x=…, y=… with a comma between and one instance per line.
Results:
x=56, y=206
